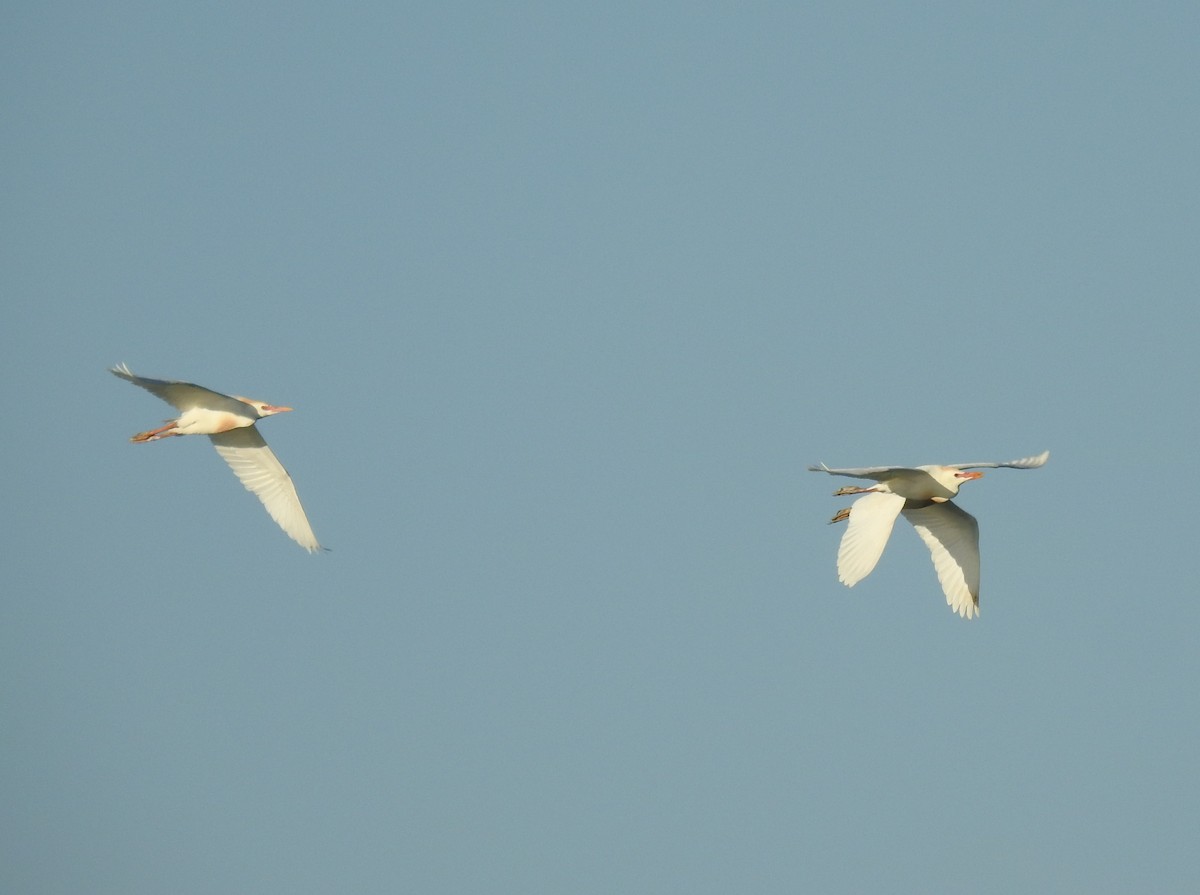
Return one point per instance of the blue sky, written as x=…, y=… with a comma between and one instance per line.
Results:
x=566, y=299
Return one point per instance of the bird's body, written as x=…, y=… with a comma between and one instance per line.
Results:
x=923, y=495
x=229, y=422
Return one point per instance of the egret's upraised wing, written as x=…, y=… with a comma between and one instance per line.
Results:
x=1023, y=463
x=882, y=473
x=183, y=395
x=870, y=526
x=878, y=473
x=952, y=536
x=252, y=461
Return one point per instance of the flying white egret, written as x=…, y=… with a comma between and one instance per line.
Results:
x=922, y=494
x=228, y=421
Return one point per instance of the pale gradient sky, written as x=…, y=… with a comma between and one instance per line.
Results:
x=566, y=299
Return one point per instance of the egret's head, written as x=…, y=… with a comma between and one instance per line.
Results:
x=265, y=409
x=952, y=478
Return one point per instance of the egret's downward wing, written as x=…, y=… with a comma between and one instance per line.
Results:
x=182, y=395
x=952, y=536
x=870, y=526
x=255, y=465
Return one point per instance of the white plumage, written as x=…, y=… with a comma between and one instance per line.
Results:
x=228, y=421
x=922, y=494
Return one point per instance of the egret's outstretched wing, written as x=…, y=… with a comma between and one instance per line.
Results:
x=1023, y=463
x=952, y=536
x=182, y=395
x=870, y=526
x=252, y=461
x=883, y=473
x=878, y=473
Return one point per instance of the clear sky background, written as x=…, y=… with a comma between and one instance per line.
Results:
x=566, y=298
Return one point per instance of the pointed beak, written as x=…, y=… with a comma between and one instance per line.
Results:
x=271, y=408
x=968, y=475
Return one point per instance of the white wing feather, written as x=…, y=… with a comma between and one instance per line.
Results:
x=952, y=536
x=867, y=533
x=255, y=465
